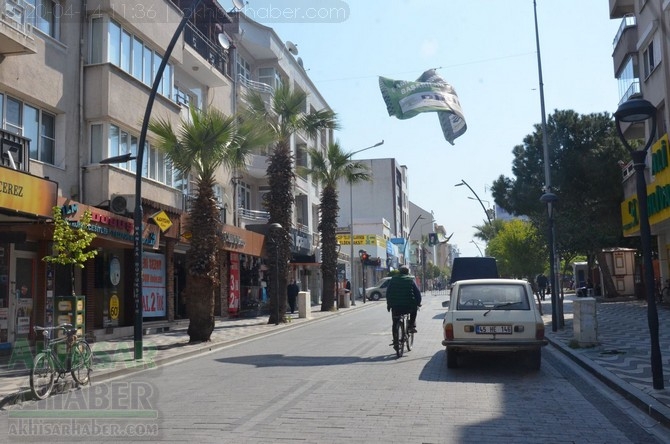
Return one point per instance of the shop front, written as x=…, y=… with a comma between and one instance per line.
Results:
x=26, y=206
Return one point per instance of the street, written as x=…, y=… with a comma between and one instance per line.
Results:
x=338, y=380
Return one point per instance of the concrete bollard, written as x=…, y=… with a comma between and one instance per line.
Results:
x=304, y=305
x=585, y=322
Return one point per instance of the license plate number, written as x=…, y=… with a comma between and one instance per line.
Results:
x=493, y=329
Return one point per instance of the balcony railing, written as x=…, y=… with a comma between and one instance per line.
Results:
x=632, y=91
x=256, y=86
x=206, y=48
x=253, y=214
x=626, y=22
x=14, y=151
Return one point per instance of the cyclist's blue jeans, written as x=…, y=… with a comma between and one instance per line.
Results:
x=405, y=310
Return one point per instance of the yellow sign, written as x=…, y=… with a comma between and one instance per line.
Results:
x=162, y=220
x=114, y=307
x=28, y=194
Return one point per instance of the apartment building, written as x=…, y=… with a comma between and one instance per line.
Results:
x=640, y=56
x=376, y=215
x=75, y=78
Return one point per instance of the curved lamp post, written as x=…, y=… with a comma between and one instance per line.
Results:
x=488, y=216
x=631, y=112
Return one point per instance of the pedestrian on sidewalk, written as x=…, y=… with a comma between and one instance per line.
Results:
x=542, y=282
x=292, y=294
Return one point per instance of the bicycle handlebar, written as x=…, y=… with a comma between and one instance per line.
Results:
x=67, y=327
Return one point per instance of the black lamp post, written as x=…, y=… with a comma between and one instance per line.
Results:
x=137, y=232
x=550, y=200
x=639, y=111
x=488, y=216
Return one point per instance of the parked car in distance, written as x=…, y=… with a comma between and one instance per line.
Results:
x=378, y=291
x=493, y=316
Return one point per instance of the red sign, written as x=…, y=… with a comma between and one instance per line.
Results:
x=234, y=292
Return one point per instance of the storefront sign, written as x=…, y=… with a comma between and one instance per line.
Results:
x=153, y=285
x=162, y=220
x=658, y=192
x=109, y=225
x=28, y=194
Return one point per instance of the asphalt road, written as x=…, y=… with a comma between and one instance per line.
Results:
x=336, y=381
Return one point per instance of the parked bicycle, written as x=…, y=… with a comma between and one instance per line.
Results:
x=49, y=366
x=402, y=338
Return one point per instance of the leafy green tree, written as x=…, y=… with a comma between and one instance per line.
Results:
x=284, y=117
x=519, y=250
x=584, y=152
x=327, y=169
x=71, y=243
x=207, y=141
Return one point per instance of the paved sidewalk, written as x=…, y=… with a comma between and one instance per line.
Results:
x=621, y=359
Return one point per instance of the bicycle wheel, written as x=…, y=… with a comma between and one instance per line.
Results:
x=42, y=375
x=82, y=361
x=401, y=339
x=409, y=339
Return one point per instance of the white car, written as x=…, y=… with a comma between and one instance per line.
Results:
x=378, y=291
x=493, y=315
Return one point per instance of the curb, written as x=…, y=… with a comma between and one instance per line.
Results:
x=644, y=402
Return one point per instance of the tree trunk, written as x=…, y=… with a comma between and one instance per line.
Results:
x=200, y=307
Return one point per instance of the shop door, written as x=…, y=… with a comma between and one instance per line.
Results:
x=22, y=281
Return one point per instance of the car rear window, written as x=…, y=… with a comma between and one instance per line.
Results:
x=492, y=296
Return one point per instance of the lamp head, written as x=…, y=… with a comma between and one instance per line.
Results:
x=635, y=110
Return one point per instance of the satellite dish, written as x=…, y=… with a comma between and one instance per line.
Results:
x=292, y=47
x=300, y=63
x=224, y=41
x=238, y=5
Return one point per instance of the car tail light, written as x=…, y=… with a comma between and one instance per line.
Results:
x=539, y=330
x=449, y=331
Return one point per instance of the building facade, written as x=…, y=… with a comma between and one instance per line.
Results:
x=101, y=59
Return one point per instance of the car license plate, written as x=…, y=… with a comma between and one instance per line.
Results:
x=493, y=329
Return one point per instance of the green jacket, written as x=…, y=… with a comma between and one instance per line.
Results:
x=402, y=292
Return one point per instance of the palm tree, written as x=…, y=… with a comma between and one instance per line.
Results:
x=283, y=117
x=208, y=141
x=327, y=169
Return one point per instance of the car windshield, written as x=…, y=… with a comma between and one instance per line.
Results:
x=492, y=297
x=382, y=282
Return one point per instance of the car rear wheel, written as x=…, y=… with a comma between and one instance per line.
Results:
x=535, y=359
x=452, y=358
x=375, y=296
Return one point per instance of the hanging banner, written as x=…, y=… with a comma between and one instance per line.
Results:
x=153, y=285
x=234, y=291
x=429, y=93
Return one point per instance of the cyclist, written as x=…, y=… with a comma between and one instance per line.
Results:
x=403, y=296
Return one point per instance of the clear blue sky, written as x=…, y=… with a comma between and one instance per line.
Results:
x=484, y=48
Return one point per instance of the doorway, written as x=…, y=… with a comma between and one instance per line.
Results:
x=22, y=284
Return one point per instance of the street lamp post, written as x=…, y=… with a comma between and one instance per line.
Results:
x=352, y=295
x=549, y=198
x=639, y=111
x=477, y=245
x=138, y=216
x=488, y=216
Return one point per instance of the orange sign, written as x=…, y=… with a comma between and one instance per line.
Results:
x=28, y=194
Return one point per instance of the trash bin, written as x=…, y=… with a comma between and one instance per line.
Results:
x=343, y=298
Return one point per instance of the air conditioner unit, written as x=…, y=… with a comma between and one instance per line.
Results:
x=122, y=203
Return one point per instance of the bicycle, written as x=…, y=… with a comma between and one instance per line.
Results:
x=49, y=367
x=402, y=337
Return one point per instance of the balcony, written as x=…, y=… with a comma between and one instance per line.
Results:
x=16, y=30
x=625, y=42
x=619, y=8
x=207, y=59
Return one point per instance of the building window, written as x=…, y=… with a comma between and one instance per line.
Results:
x=129, y=53
x=651, y=59
x=31, y=122
x=244, y=195
x=46, y=16
x=269, y=76
x=243, y=68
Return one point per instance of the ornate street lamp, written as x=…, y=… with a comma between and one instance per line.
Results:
x=639, y=111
